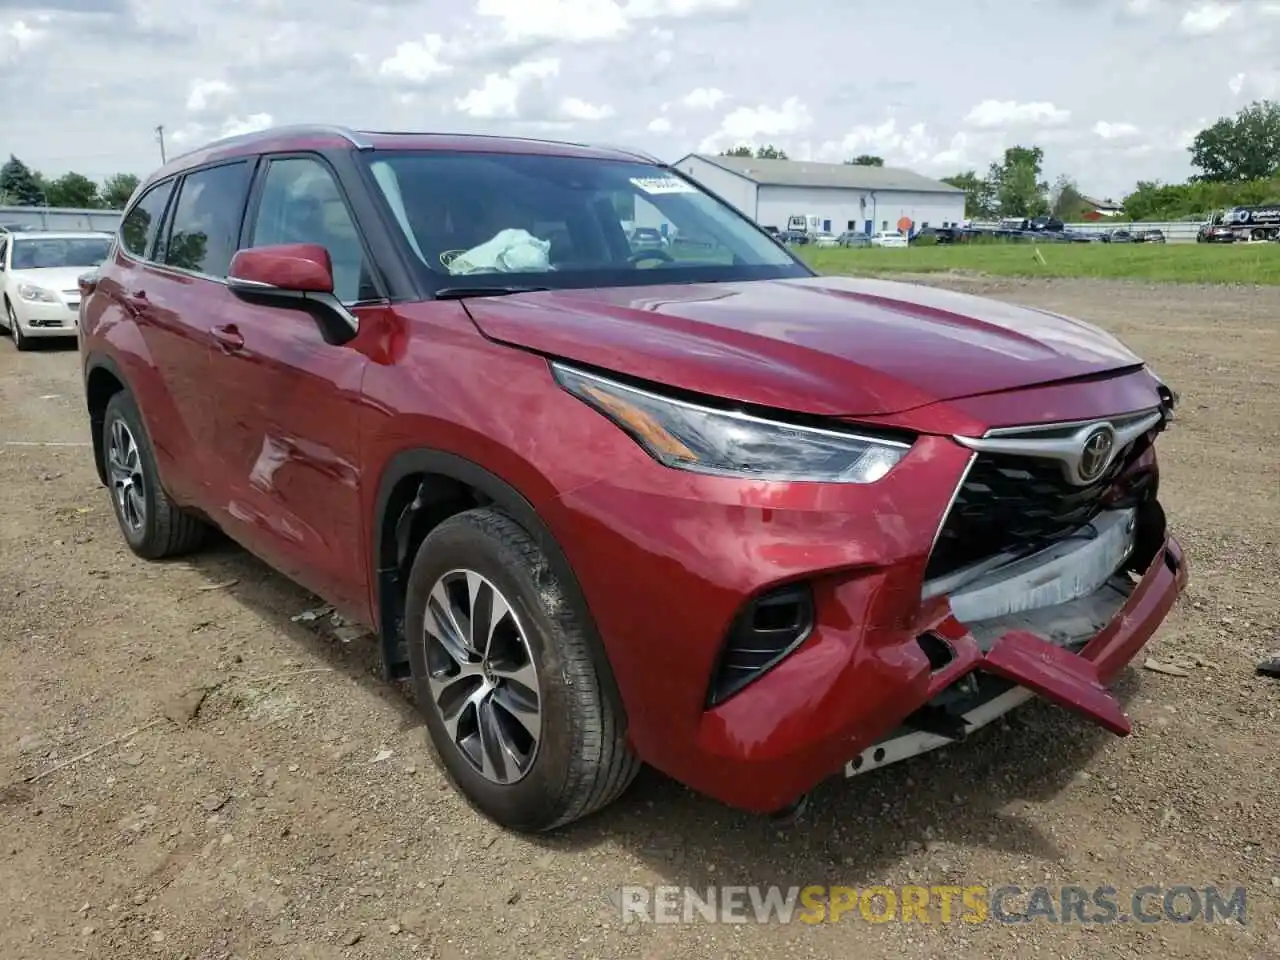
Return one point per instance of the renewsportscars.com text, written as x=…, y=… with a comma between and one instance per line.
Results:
x=814, y=904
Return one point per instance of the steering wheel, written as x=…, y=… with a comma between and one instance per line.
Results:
x=650, y=253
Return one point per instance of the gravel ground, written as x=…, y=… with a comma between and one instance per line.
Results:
x=280, y=800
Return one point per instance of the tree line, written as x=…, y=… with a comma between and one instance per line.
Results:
x=1237, y=159
x=20, y=186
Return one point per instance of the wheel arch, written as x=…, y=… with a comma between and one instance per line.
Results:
x=420, y=488
x=103, y=379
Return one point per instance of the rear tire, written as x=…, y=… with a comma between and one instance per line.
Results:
x=152, y=525
x=533, y=776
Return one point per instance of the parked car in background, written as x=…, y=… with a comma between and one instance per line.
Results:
x=887, y=239
x=38, y=281
x=824, y=239
x=1149, y=236
x=647, y=238
x=749, y=524
x=1122, y=235
x=1048, y=224
x=797, y=237
x=854, y=238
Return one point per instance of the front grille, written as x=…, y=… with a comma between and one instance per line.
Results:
x=1021, y=504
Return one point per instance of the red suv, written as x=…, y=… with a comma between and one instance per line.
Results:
x=688, y=504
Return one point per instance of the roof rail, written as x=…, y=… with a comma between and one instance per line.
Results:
x=632, y=152
x=479, y=136
x=296, y=129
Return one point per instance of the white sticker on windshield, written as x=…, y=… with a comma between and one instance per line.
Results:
x=655, y=185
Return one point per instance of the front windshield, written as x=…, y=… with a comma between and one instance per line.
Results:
x=53, y=252
x=553, y=221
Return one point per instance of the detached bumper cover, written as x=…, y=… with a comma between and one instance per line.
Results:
x=897, y=680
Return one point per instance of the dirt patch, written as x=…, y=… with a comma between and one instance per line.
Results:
x=283, y=801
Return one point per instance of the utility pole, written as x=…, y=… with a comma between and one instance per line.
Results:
x=160, y=140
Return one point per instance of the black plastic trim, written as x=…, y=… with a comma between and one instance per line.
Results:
x=719, y=692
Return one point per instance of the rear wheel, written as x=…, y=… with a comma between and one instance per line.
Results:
x=505, y=679
x=152, y=525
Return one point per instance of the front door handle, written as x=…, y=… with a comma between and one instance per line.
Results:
x=228, y=337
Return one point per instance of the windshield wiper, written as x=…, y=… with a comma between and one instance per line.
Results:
x=457, y=293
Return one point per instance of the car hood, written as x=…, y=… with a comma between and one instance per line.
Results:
x=59, y=279
x=834, y=346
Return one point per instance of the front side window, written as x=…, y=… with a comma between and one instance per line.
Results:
x=301, y=204
x=138, y=229
x=206, y=219
x=46, y=253
x=563, y=222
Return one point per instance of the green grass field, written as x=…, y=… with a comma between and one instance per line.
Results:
x=1184, y=263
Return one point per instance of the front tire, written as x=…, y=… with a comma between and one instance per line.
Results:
x=152, y=525
x=20, y=340
x=504, y=676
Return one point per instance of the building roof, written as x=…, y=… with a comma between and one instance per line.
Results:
x=802, y=173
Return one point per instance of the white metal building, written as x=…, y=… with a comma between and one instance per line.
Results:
x=833, y=197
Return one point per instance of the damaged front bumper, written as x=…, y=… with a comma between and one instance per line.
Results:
x=1060, y=626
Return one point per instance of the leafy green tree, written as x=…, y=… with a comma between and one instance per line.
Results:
x=1066, y=202
x=1019, y=189
x=763, y=153
x=979, y=194
x=866, y=160
x=19, y=186
x=1239, y=148
x=72, y=190
x=117, y=189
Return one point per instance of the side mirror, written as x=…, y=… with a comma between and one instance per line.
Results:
x=288, y=270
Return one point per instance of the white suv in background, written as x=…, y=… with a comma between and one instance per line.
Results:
x=39, y=294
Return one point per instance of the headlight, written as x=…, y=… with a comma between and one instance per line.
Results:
x=700, y=439
x=32, y=293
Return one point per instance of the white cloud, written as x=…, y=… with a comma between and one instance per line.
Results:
x=498, y=96
x=20, y=37
x=1114, y=131
x=204, y=93
x=1207, y=18
x=234, y=126
x=571, y=108
x=748, y=124
x=992, y=114
x=570, y=21
x=702, y=98
x=416, y=61
x=426, y=64
x=1256, y=84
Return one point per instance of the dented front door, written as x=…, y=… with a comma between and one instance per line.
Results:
x=287, y=435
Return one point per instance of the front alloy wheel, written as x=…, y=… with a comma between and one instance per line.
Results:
x=482, y=676
x=124, y=465
x=509, y=675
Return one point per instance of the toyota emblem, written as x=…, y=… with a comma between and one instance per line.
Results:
x=1095, y=455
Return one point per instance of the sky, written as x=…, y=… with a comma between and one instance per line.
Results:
x=1112, y=90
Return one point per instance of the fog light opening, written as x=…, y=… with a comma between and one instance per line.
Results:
x=937, y=650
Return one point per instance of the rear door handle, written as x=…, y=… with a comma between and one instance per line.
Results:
x=228, y=337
